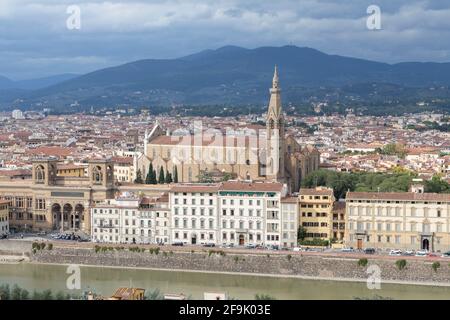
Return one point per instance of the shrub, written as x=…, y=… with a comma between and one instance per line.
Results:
x=50, y=246
x=436, y=265
x=264, y=297
x=42, y=246
x=401, y=264
x=289, y=257
x=315, y=242
x=268, y=255
x=171, y=252
x=363, y=262
x=236, y=258
x=156, y=251
x=164, y=253
x=97, y=249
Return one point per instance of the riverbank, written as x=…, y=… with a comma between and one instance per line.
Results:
x=279, y=266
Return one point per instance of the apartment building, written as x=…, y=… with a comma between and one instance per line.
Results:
x=131, y=219
x=400, y=220
x=250, y=213
x=4, y=219
x=289, y=228
x=316, y=212
x=194, y=218
x=229, y=213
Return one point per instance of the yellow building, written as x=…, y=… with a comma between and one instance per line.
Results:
x=316, y=212
x=70, y=170
x=4, y=219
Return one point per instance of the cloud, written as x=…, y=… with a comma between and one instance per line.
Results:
x=34, y=40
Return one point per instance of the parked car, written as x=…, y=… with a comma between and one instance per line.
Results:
x=4, y=236
x=348, y=249
x=209, y=245
x=446, y=254
x=408, y=253
x=395, y=253
x=369, y=250
x=432, y=255
x=421, y=253
x=250, y=246
x=297, y=249
x=178, y=244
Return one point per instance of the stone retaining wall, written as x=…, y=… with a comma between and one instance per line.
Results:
x=312, y=266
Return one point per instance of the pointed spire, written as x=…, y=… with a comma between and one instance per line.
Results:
x=275, y=78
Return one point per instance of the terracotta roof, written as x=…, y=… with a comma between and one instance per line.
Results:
x=251, y=186
x=208, y=140
x=316, y=192
x=191, y=187
x=289, y=200
x=52, y=151
x=123, y=160
x=400, y=196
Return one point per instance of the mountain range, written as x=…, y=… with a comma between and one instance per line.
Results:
x=229, y=75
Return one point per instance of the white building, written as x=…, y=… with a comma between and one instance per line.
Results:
x=229, y=213
x=17, y=114
x=131, y=219
x=194, y=218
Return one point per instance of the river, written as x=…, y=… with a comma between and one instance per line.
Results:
x=104, y=281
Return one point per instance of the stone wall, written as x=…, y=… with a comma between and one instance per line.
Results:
x=312, y=266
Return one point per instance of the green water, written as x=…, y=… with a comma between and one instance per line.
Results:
x=104, y=281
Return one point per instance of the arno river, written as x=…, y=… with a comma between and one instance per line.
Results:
x=104, y=281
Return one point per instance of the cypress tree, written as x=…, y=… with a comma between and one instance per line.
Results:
x=168, y=177
x=148, y=179
x=153, y=177
x=161, y=178
x=175, y=175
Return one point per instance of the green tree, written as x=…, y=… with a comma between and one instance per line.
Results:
x=148, y=178
x=60, y=296
x=16, y=292
x=168, y=177
x=138, y=177
x=301, y=233
x=205, y=177
x=175, y=174
x=437, y=185
x=47, y=295
x=25, y=295
x=264, y=297
x=5, y=293
x=161, y=178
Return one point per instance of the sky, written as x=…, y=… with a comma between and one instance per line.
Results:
x=35, y=40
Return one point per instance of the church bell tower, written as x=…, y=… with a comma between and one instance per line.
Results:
x=275, y=132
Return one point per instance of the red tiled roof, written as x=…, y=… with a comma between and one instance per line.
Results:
x=400, y=196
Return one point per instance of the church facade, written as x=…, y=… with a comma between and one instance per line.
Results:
x=264, y=155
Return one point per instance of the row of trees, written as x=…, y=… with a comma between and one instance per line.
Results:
x=151, y=178
x=399, y=181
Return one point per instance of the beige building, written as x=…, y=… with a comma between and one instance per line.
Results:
x=269, y=154
x=50, y=201
x=398, y=220
x=316, y=213
x=4, y=218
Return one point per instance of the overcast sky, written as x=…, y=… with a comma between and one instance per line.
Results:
x=35, y=40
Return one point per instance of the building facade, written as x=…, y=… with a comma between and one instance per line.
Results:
x=4, y=218
x=130, y=219
x=316, y=213
x=407, y=220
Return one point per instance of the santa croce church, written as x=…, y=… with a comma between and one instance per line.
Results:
x=267, y=154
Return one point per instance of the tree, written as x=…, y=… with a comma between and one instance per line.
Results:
x=175, y=175
x=205, y=177
x=153, y=177
x=301, y=233
x=60, y=296
x=138, y=177
x=16, y=293
x=168, y=177
x=47, y=295
x=227, y=176
x=437, y=185
x=5, y=293
x=148, y=178
x=161, y=178
x=25, y=295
